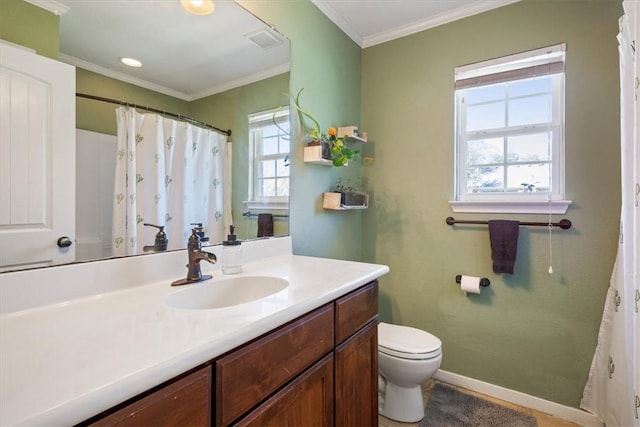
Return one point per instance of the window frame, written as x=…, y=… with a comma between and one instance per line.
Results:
x=548, y=61
x=258, y=121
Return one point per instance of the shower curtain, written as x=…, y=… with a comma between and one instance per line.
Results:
x=613, y=388
x=168, y=173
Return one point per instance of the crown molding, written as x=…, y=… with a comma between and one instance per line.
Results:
x=50, y=5
x=71, y=60
x=122, y=77
x=326, y=8
x=265, y=74
x=412, y=28
x=435, y=21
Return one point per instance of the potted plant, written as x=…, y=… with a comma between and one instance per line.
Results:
x=350, y=197
x=333, y=147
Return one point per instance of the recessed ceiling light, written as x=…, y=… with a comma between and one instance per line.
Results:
x=198, y=7
x=131, y=62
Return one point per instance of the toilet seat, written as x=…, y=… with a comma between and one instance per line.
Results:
x=409, y=356
x=407, y=343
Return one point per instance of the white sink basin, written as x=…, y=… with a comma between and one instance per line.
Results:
x=226, y=292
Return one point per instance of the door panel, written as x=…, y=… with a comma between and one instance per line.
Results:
x=37, y=159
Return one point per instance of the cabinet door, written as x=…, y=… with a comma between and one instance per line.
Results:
x=306, y=401
x=356, y=379
x=185, y=402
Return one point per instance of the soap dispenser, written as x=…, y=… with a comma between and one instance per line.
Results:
x=231, y=253
x=161, y=240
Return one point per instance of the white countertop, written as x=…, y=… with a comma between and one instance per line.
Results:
x=64, y=362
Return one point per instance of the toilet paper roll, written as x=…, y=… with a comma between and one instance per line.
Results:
x=470, y=284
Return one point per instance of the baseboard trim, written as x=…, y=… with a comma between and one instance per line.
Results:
x=567, y=413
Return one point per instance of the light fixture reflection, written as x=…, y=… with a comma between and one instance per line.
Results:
x=131, y=62
x=198, y=7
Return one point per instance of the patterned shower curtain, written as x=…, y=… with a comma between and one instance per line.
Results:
x=613, y=388
x=170, y=174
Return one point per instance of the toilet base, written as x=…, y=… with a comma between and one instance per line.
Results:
x=404, y=404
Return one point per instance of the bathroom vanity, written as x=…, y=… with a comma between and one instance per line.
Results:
x=286, y=377
x=306, y=354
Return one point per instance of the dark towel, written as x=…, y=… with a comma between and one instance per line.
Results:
x=265, y=225
x=504, y=244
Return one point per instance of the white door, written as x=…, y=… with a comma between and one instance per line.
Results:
x=37, y=160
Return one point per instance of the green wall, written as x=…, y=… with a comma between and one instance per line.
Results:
x=99, y=116
x=532, y=332
x=326, y=63
x=18, y=15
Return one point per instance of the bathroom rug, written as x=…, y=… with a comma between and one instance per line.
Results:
x=449, y=407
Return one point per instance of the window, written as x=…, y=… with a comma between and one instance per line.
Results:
x=510, y=134
x=269, y=174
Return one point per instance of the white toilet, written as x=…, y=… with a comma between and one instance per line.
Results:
x=407, y=357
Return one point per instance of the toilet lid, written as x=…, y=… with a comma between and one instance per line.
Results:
x=406, y=341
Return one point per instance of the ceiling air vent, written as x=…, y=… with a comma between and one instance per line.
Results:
x=266, y=38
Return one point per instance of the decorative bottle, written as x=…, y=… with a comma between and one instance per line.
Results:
x=231, y=253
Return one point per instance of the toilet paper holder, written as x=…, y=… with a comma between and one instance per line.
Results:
x=484, y=282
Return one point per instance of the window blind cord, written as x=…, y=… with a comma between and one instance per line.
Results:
x=550, y=225
x=549, y=151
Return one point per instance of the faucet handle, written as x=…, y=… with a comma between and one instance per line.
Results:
x=199, y=231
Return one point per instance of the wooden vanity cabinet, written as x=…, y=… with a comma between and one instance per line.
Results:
x=320, y=369
x=184, y=401
x=339, y=390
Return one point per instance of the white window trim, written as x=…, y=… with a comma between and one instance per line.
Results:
x=525, y=203
x=519, y=207
x=250, y=204
x=272, y=203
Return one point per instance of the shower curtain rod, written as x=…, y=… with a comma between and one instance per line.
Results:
x=154, y=110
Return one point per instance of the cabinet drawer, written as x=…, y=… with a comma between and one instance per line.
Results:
x=186, y=401
x=355, y=310
x=250, y=374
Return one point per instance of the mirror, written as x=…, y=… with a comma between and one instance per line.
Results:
x=216, y=69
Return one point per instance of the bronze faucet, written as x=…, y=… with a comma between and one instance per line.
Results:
x=196, y=254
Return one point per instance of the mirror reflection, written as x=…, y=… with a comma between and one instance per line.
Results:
x=142, y=175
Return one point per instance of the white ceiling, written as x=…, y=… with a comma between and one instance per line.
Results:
x=184, y=55
x=371, y=22
x=189, y=57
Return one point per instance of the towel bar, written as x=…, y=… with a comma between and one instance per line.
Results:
x=250, y=214
x=565, y=224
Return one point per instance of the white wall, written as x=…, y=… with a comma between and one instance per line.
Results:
x=95, y=167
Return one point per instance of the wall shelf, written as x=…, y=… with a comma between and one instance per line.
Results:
x=333, y=201
x=355, y=139
x=351, y=134
x=313, y=155
x=348, y=208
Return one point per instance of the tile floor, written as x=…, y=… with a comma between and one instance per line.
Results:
x=544, y=420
